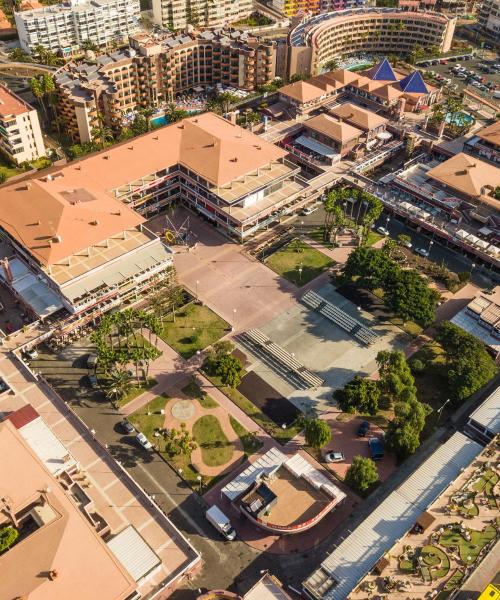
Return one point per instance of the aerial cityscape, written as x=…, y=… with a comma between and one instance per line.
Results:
x=250, y=299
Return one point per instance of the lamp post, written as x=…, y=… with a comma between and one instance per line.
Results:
x=440, y=409
x=431, y=243
x=300, y=274
x=197, y=282
x=198, y=477
x=473, y=266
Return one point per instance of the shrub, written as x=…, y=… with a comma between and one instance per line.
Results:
x=417, y=366
x=8, y=535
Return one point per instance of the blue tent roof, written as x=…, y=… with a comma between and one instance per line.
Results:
x=413, y=84
x=382, y=72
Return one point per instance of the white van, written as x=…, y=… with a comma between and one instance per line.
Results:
x=496, y=95
x=221, y=522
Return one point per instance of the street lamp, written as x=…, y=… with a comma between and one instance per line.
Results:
x=234, y=317
x=198, y=477
x=473, y=266
x=440, y=409
x=300, y=274
x=197, y=282
x=431, y=243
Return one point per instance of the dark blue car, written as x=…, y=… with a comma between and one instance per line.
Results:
x=363, y=429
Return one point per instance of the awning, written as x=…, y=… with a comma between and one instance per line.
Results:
x=461, y=234
x=134, y=553
x=315, y=146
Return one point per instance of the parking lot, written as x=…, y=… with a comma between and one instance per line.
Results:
x=471, y=65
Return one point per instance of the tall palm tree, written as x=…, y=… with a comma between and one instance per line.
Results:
x=118, y=384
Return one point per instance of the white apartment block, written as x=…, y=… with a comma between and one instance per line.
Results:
x=20, y=134
x=65, y=27
x=177, y=14
x=489, y=18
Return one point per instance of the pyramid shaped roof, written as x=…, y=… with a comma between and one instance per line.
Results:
x=413, y=84
x=382, y=72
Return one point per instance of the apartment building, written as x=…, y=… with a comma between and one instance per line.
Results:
x=20, y=134
x=489, y=18
x=317, y=40
x=291, y=8
x=177, y=14
x=65, y=27
x=154, y=70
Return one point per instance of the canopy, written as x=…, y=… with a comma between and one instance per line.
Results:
x=315, y=146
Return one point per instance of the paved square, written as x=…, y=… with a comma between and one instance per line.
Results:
x=324, y=348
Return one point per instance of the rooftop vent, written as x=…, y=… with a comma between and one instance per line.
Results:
x=57, y=239
x=49, y=178
x=235, y=159
x=94, y=222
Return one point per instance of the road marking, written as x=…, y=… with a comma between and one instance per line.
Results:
x=191, y=521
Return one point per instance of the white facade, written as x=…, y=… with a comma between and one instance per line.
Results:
x=204, y=13
x=489, y=18
x=65, y=27
x=20, y=133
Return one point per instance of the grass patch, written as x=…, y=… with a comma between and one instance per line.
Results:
x=216, y=449
x=147, y=423
x=286, y=262
x=468, y=550
x=8, y=168
x=373, y=238
x=318, y=235
x=250, y=442
x=136, y=390
x=408, y=327
x=195, y=328
x=281, y=435
x=193, y=390
x=454, y=581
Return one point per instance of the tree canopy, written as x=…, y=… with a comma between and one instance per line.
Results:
x=316, y=432
x=361, y=474
x=395, y=378
x=469, y=366
x=359, y=395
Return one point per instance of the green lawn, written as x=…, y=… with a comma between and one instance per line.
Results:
x=195, y=328
x=287, y=262
x=193, y=390
x=147, y=423
x=250, y=443
x=216, y=449
x=318, y=235
x=281, y=435
x=373, y=238
x=136, y=390
x=468, y=550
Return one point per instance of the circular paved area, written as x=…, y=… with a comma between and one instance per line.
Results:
x=183, y=410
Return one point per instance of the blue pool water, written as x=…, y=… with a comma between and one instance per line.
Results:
x=159, y=121
x=460, y=119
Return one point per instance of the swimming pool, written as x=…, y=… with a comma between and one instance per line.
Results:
x=461, y=119
x=159, y=121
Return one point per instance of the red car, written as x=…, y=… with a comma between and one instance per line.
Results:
x=443, y=62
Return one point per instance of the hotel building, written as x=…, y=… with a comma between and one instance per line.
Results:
x=65, y=27
x=317, y=40
x=20, y=134
x=177, y=14
x=75, y=239
x=380, y=88
x=154, y=70
x=489, y=18
x=291, y=8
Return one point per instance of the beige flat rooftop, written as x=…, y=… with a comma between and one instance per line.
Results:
x=274, y=200
x=96, y=256
x=298, y=501
x=252, y=181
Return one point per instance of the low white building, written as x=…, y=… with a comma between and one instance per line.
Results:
x=65, y=27
x=20, y=134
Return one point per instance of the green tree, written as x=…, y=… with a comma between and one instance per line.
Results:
x=229, y=369
x=317, y=432
x=118, y=384
x=175, y=114
x=396, y=381
x=361, y=474
x=368, y=267
x=410, y=297
x=403, y=432
x=178, y=441
x=176, y=297
x=3, y=176
x=297, y=245
x=331, y=65
x=359, y=395
x=8, y=535
x=469, y=366
x=19, y=55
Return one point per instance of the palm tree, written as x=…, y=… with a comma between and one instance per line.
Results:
x=176, y=298
x=118, y=384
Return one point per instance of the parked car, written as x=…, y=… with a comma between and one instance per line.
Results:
x=93, y=382
x=333, y=457
x=423, y=252
x=363, y=429
x=126, y=426
x=443, y=62
x=376, y=448
x=92, y=361
x=143, y=441
x=309, y=210
x=31, y=353
x=407, y=244
x=383, y=230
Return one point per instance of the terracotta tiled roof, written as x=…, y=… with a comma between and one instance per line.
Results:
x=336, y=130
x=303, y=91
x=357, y=116
x=491, y=134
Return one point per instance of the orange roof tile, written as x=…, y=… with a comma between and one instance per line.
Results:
x=336, y=130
